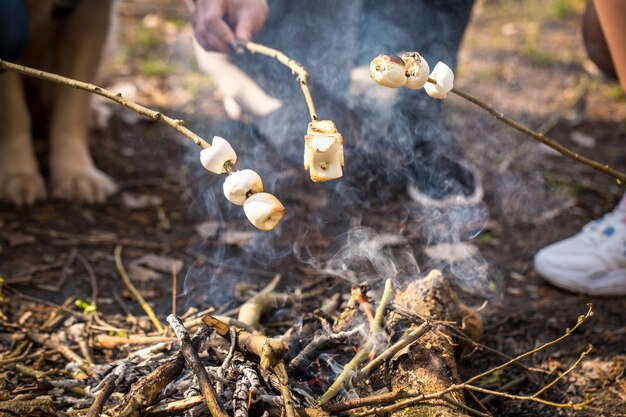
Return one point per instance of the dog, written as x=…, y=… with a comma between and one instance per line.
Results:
x=67, y=37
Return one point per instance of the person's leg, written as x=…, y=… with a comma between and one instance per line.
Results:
x=13, y=29
x=612, y=16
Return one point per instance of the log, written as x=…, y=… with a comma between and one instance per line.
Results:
x=428, y=366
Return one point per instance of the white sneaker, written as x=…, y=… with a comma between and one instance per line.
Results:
x=592, y=262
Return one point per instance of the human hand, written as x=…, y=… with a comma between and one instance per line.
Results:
x=218, y=23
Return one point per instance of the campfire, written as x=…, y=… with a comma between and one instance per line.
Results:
x=387, y=347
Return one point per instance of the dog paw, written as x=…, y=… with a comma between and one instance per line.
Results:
x=88, y=185
x=22, y=188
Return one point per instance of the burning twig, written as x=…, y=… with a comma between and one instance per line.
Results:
x=193, y=361
x=387, y=70
x=351, y=367
x=411, y=337
x=134, y=292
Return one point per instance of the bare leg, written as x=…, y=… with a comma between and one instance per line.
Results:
x=73, y=173
x=20, y=180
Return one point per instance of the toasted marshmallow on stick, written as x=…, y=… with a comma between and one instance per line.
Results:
x=214, y=158
x=323, y=151
x=242, y=184
x=264, y=211
x=416, y=70
x=388, y=71
x=444, y=81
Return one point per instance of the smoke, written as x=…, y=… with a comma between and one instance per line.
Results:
x=365, y=226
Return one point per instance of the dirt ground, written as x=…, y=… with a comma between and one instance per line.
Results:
x=525, y=58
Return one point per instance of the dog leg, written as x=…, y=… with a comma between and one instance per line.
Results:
x=20, y=180
x=73, y=173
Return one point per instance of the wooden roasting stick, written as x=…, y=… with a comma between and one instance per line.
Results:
x=301, y=74
x=177, y=124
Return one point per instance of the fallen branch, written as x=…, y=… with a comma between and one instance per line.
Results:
x=136, y=294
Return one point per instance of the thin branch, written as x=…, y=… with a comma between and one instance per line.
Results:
x=295, y=67
x=193, y=361
x=619, y=176
x=134, y=292
x=351, y=367
x=411, y=337
x=567, y=333
x=564, y=374
x=117, y=97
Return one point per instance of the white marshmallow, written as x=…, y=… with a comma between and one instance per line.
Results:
x=323, y=151
x=264, y=210
x=417, y=70
x=444, y=81
x=214, y=158
x=241, y=184
x=388, y=71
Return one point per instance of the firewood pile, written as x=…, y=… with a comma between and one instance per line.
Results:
x=374, y=351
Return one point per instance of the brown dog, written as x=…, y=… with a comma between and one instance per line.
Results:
x=70, y=45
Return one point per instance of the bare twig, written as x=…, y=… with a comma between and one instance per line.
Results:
x=295, y=67
x=564, y=374
x=134, y=292
x=193, y=361
x=111, y=381
x=351, y=367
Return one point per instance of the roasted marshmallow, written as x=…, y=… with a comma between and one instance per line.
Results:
x=214, y=158
x=444, y=81
x=264, y=210
x=323, y=151
x=241, y=185
x=388, y=71
x=416, y=70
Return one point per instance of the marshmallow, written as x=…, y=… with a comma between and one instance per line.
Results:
x=241, y=184
x=264, y=210
x=416, y=70
x=388, y=71
x=323, y=151
x=214, y=158
x=444, y=81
